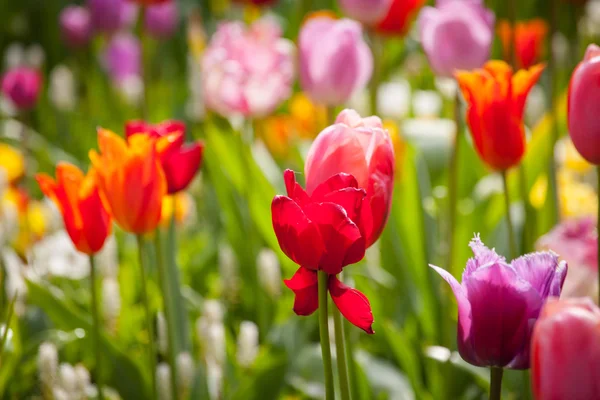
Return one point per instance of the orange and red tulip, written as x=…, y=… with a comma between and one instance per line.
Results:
x=77, y=196
x=528, y=38
x=496, y=101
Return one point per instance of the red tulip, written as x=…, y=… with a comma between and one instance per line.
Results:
x=399, y=17
x=584, y=97
x=528, y=40
x=565, y=351
x=22, y=86
x=182, y=162
x=362, y=148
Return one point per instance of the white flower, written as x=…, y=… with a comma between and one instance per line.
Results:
x=213, y=311
x=15, y=283
x=111, y=302
x=83, y=381
x=55, y=255
x=214, y=378
x=14, y=55
x=67, y=378
x=35, y=56
x=47, y=363
x=536, y=105
x=161, y=333
x=107, y=259
x=214, y=350
x=163, y=381
x=185, y=371
x=228, y=270
x=132, y=89
x=247, y=344
x=446, y=86
x=427, y=104
x=560, y=48
x=393, y=99
x=62, y=88
x=269, y=272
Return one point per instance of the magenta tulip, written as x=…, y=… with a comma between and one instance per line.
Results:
x=366, y=11
x=111, y=15
x=362, y=148
x=565, y=351
x=161, y=20
x=335, y=61
x=22, y=86
x=76, y=26
x=122, y=58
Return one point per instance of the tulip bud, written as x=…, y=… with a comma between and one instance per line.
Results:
x=366, y=11
x=22, y=86
x=76, y=26
x=247, y=344
x=335, y=61
x=584, y=91
x=565, y=351
x=362, y=148
x=161, y=20
x=47, y=362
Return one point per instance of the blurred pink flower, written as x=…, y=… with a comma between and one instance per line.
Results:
x=247, y=71
x=111, y=15
x=366, y=11
x=22, y=86
x=76, y=26
x=161, y=20
x=335, y=61
x=122, y=58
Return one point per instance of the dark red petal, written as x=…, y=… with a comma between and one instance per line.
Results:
x=353, y=305
x=181, y=167
x=334, y=183
x=341, y=237
x=298, y=236
x=304, y=284
x=294, y=190
x=351, y=199
x=167, y=127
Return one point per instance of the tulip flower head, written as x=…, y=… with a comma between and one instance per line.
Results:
x=335, y=60
x=111, y=15
x=76, y=26
x=131, y=179
x=247, y=71
x=366, y=11
x=496, y=102
x=456, y=35
x=498, y=303
x=22, y=86
x=87, y=221
x=399, y=17
x=160, y=20
x=182, y=162
x=145, y=3
x=565, y=351
x=584, y=94
x=318, y=232
x=123, y=57
x=363, y=148
x=528, y=38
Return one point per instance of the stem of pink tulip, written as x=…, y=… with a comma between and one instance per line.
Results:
x=511, y=233
x=340, y=351
x=96, y=328
x=323, y=279
x=496, y=383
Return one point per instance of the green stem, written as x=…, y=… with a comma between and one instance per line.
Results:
x=340, y=350
x=330, y=115
x=149, y=326
x=453, y=182
x=324, y=333
x=169, y=312
x=354, y=390
x=528, y=233
x=496, y=383
x=96, y=328
x=598, y=227
x=376, y=77
x=511, y=233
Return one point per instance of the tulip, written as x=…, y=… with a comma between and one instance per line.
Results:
x=146, y=3
x=257, y=2
x=362, y=148
x=399, y=17
x=584, y=91
x=496, y=102
x=318, y=232
x=76, y=26
x=366, y=11
x=161, y=20
x=335, y=61
x=498, y=302
x=528, y=38
x=111, y=15
x=182, y=162
x=247, y=71
x=22, y=86
x=565, y=351
x=123, y=57
x=456, y=35
x=77, y=196
x=131, y=179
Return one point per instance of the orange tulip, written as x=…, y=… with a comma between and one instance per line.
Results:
x=87, y=221
x=528, y=38
x=496, y=100
x=131, y=179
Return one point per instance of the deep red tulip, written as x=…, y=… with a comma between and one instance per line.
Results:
x=362, y=148
x=22, y=86
x=565, y=351
x=182, y=162
x=399, y=17
x=584, y=97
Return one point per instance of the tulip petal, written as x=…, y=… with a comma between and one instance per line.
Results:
x=350, y=199
x=353, y=305
x=483, y=256
x=542, y=271
x=298, y=237
x=181, y=167
x=294, y=190
x=333, y=183
x=304, y=284
x=522, y=82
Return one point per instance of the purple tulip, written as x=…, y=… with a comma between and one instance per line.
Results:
x=161, y=20
x=335, y=61
x=457, y=34
x=498, y=303
x=111, y=15
x=366, y=11
x=76, y=26
x=22, y=86
x=122, y=58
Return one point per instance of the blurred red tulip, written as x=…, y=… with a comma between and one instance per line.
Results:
x=528, y=38
x=362, y=148
x=565, y=351
x=582, y=110
x=399, y=17
x=77, y=197
x=22, y=85
x=496, y=101
x=182, y=162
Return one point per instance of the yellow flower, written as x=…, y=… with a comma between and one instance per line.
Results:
x=33, y=218
x=397, y=142
x=537, y=196
x=181, y=203
x=277, y=133
x=309, y=118
x=12, y=161
x=577, y=199
x=573, y=160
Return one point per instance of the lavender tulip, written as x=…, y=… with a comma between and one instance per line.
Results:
x=161, y=20
x=122, y=58
x=456, y=34
x=498, y=303
x=76, y=26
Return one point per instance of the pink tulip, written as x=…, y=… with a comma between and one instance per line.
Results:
x=366, y=11
x=335, y=61
x=582, y=110
x=76, y=26
x=22, y=85
x=362, y=148
x=247, y=71
x=161, y=20
x=565, y=351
